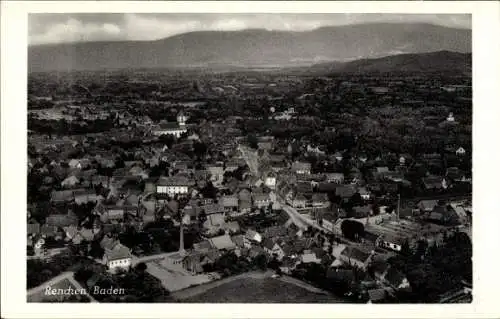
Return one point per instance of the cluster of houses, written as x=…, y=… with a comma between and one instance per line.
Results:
x=128, y=192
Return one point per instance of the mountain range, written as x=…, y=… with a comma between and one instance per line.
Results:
x=440, y=61
x=263, y=48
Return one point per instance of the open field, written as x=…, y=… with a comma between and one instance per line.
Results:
x=255, y=288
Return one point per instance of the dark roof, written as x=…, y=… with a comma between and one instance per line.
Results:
x=378, y=294
x=274, y=231
x=118, y=252
x=268, y=243
x=33, y=228
x=238, y=240
x=345, y=191
x=59, y=196
x=319, y=197
x=212, y=208
x=173, y=181
x=394, y=276
x=379, y=267
x=48, y=230
x=169, y=126
x=327, y=187
x=203, y=245
x=61, y=220
x=340, y=274
x=229, y=201
x=354, y=253
x=330, y=216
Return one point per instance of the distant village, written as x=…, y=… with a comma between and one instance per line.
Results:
x=349, y=194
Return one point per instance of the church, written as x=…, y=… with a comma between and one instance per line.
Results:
x=176, y=129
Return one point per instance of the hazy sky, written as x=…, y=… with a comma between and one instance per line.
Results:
x=63, y=27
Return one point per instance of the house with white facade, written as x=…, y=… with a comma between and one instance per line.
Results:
x=172, y=185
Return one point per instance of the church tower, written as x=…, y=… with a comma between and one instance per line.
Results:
x=181, y=119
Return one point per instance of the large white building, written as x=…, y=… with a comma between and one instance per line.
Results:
x=172, y=186
x=176, y=129
x=116, y=256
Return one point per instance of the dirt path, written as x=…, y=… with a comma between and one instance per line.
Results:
x=302, y=284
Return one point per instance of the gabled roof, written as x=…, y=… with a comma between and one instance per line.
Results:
x=203, y=245
x=173, y=181
x=48, y=230
x=268, y=243
x=300, y=197
x=233, y=226
x=118, y=252
x=216, y=219
x=61, y=220
x=229, y=201
x=319, y=197
x=379, y=267
x=252, y=234
x=327, y=187
x=274, y=231
x=364, y=210
x=238, y=240
x=309, y=257
x=212, y=208
x=300, y=166
x=255, y=251
x=33, y=228
x=58, y=196
x=260, y=197
x=222, y=242
x=334, y=176
x=108, y=242
x=356, y=254
x=378, y=294
x=428, y=204
x=383, y=169
x=345, y=191
x=169, y=126
x=330, y=216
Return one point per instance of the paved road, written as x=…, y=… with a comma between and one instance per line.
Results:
x=145, y=259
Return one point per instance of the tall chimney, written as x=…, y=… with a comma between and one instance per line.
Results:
x=399, y=204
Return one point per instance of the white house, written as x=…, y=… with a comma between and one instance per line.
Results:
x=116, y=256
x=172, y=186
x=301, y=168
x=460, y=151
x=364, y=193
x=270, y=180
x=450, y=118
x=335, y=178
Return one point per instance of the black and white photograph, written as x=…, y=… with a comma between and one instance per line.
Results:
x=249, y=158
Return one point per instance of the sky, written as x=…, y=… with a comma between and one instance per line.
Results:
x=45, y=28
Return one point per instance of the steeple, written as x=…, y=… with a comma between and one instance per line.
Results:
x=181, y=119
